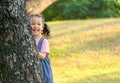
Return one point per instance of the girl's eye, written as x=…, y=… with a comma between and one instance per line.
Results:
x=32, y=24
x=38, y=24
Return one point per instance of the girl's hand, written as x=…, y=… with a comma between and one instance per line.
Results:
x=42, y=55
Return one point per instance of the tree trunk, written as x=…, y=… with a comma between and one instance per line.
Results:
x=18, y=56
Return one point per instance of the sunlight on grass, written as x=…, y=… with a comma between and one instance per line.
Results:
x=85, y=51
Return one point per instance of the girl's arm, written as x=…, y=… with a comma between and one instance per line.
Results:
x=42, y=55
x=44, y=50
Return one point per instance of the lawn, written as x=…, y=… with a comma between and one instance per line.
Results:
x=85, y=51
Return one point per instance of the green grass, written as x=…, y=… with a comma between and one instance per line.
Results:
x=85, y=51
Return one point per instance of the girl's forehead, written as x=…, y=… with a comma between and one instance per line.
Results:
x=35, y=19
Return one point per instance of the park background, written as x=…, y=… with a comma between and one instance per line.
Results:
x=85, y=40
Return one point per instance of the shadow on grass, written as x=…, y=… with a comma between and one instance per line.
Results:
x=81, y=29
x=113, y=77
x=102, y=41
x=110, y=43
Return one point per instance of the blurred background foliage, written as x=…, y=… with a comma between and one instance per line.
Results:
x=82, y=9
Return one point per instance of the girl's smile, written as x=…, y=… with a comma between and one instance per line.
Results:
x=36, y=29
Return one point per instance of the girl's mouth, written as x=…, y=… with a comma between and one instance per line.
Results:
x=34, y=29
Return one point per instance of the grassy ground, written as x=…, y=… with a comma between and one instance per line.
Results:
x=86, y=51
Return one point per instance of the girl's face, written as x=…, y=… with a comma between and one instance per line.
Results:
x=36, y=24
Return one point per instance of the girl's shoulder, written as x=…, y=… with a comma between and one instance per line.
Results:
x=45, y=40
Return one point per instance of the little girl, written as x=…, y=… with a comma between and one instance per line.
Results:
x=41, y=29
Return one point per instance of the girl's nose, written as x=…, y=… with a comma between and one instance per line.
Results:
x=35, y=25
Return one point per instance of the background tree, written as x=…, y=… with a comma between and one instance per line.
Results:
x=82, y=9
x=18, y=56
x=37, y=6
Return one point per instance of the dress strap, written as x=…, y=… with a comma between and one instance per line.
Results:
x=40, y=44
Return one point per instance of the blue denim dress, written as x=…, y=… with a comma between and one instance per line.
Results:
x=45, y=65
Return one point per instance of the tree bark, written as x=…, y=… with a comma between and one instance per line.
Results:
x=18, y=56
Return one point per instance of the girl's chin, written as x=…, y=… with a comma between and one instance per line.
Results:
x=35, y=34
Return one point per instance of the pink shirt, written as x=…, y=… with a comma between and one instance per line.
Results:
x=45, y=46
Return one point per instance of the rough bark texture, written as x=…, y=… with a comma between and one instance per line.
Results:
x=37, y=6
x=18, y=56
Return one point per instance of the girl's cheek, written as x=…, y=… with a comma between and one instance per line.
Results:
x=41, y=28
x=32, y=26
